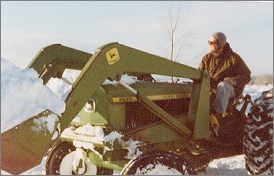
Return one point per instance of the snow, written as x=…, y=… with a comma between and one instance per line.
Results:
x=158, y=170
x=45, y=123
x=95, y=135
x=23, y=96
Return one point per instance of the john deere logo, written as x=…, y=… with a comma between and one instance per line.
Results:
x=112, y=56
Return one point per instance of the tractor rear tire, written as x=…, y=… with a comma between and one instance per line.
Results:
x=60, y=158
x=258, y=136
x=156, y=163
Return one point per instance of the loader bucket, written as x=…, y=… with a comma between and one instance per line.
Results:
x=23, y=146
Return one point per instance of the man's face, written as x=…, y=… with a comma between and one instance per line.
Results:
x=213, y=44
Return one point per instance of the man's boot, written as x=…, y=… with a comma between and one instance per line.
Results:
x=214, y=121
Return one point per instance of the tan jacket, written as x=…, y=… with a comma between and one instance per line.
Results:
x=226, y=64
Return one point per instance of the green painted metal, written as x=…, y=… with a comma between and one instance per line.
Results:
x=125, y=60
x=52, y=60
x=116, y=163
x=164, y=115
x=148, y=88
x=93, y=118
x=23, y=146
x=111, y=99
x=201, y=128
x=153, y=134
x=111, y=61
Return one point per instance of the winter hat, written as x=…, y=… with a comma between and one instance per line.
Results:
x=221, y=38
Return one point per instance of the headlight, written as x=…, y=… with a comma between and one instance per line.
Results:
x=90, y=106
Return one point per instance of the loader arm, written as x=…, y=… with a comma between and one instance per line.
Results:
x=22, y=148
x=111, y=61
x=51, y=61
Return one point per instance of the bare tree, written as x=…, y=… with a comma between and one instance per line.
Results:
x=174, y=23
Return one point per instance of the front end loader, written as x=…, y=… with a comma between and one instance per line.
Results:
x=168, y=122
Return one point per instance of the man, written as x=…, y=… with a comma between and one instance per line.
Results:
x=228, y=74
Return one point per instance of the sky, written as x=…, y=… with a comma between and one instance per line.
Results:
x=28, y=26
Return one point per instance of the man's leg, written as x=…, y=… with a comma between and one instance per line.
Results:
x=224, y=92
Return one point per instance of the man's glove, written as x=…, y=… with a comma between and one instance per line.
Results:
x=231, y=81
x=214, y=122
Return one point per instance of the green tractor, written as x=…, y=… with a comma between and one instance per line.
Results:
x=134, y=127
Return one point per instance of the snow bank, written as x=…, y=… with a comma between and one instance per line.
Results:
x=256, y=90
x=23, y=95
x=61, y=88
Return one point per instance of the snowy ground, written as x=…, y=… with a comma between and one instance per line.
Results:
x=22, y=95
x=226, y=166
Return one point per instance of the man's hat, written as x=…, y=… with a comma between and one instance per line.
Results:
x=221, y=38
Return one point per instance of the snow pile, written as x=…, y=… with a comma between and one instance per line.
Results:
x=45, y=123
x=23, y=95
x=233, y=165
x=60, y=87
x=89, y=136
x=256, y=90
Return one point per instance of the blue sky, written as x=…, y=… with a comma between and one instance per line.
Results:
x=28, y=26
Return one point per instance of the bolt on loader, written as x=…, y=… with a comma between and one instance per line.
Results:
x=168, y=123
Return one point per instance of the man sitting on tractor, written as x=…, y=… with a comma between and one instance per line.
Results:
x=228, y=75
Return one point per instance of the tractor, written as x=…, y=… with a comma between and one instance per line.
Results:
x=118, y=117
